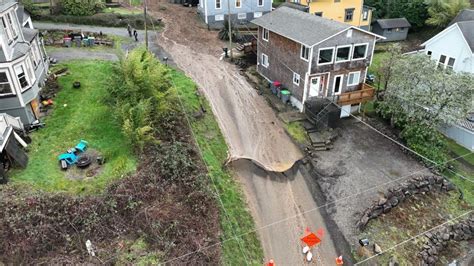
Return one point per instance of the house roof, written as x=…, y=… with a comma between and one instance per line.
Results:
x=5, y=4
x=467, y=29
x=392, y=23
x=300, y=26
x=29, y=34
x=296, y=6
x=20, y=49
x=464, y=15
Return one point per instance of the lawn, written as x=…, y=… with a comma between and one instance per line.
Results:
x=462, y=166
x=122, y=10
x=235, y=219
x=78, y=114
x=377, y=60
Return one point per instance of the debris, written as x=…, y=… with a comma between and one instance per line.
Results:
x=377, y=249
x=305, y=249
x=90, y=248
x=309, y=256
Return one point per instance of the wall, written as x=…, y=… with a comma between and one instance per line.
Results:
x=248, y=7
x=391, y=36
x=336, y=11
x=451, y=43
x=344, y=68
x=461, y=135
x=284, y=59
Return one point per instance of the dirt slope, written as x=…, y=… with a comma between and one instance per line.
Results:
x=251, y=129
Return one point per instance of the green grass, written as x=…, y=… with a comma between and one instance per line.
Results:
x=297, y=132
x=377, y=61
x=214, y=150
x=121, y=10
x=78, y=114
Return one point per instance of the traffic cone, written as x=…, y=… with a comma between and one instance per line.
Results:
x=271, y=263
x=339, y=260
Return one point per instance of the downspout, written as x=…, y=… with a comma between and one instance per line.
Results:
x=306, y=83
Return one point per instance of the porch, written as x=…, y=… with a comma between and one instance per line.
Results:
x=365, y=93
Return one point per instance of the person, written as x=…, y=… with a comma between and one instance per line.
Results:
x=135, y=33
x=129, y=29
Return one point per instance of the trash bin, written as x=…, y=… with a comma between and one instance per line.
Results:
x=67, y=41
x=285, y=96
x=85, y=42
x=274, y=85
x=91, y=41
x=77, y=40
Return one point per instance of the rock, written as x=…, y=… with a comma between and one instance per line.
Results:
x=450, y=187
x=394, y=201
x=431, y=260
x=363, y=222
x=431, y=180
x=429, y=235
x=393, y=262
x=382, y=201
x=376, y=213
x=387, y=208
x=377, y=249
x=445, y=237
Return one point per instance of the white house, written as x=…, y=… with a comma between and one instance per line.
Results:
x=454, y=48
x=23, y=63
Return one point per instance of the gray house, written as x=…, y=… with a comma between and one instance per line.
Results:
x=213, y=12
x=23, y=63
x=393, y=29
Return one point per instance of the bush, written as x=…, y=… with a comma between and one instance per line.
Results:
x=80, y=8
x=103, y=19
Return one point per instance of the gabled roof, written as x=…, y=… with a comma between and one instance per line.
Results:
x=296, y=6
x=392, y=23
x=302, y=27
x=29, y=34
x=464, y=15
x=466, y=28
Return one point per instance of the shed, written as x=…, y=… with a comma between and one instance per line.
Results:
x=393, y=29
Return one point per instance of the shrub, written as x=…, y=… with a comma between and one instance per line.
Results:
x=80, y=8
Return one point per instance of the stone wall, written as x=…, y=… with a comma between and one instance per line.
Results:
x=440, y=239
x=394, y=196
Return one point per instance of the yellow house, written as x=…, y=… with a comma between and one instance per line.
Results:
x=352, y=12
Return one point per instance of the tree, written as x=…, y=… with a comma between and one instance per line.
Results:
x=443, y=11
x=415, y=11
x=419, y=98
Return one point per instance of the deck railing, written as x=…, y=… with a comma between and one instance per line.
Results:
x=366, y=93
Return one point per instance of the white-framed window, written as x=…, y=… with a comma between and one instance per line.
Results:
x=35, y=53
x=5, y=86
x=349, y=33
x=22, y=76
x=446, y=62
x=218, y=4
x=365, y=15
x=343, y=53
x=260, y=2
x=304, y=54
x=12, y=25
x=265, y=34
x=238, y=3
x=257, y=14
x=326, y=56
x=360, y=51
x=337, y=86
x=242, y=16
x=353, y=78
x=296, y=79
x=201, y=3
x=7, y=30
x=219, y=17
x=264, y=60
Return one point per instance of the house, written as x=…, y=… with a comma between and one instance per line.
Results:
x=453, y=48
x=213, y=12
x=314, y=57
x=352, y=12
x=23, y=63
x=393, y=29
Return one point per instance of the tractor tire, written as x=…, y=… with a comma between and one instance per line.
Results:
x=84, y=161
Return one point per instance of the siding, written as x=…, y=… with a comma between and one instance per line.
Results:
x=284, y=59
x=462, y=136
x=337, y=11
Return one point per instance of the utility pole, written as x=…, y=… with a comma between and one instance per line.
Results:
x=230, y=30
x=146, y=30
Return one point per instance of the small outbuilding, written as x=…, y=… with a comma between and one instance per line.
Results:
x=393, y=29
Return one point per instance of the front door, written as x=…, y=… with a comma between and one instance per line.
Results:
x=314, y=86
x=337, y=85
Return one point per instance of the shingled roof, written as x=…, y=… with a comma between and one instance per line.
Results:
x=300, y=26
x=392, y=23
x=464, y=15
x=467, y=29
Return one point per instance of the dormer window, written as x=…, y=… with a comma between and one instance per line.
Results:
x=12, y=26
x=7, y=30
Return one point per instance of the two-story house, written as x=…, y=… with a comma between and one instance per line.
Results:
x=352, y=12
x=214, y=12
x=23, y=63
x=314, y=57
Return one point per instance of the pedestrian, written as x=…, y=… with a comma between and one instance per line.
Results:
x=135, y=33
x=129, y=29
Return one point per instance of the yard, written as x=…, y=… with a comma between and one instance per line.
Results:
x=78, y=114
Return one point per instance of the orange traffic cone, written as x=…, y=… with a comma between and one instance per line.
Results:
x=271, y=263
x=339, y=260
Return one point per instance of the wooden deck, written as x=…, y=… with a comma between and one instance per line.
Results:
x=366, y=93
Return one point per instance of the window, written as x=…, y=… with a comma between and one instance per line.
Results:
x=36, y=54
x=360, y=51
x=343, y=54
x=5, y=87
x=296, y=79
x=296, y=1
x=365, y=15
x=442, y=60
x=446, y=62
x=349, y=33
x=353, y=79
x=20, y=72
x=12, y=26
x=389, y=30
x=337, y=1
x=7, y=30
x=260, y=2
x=429, y=53
x=218, y=4
x=242, y=15
x=338, y=84
x=238, y=3
x=319, y=14
x=265, y=34
x=257, y=14
x=304, y=53
x=265, y=60
x=219, y=17
x=326, y=56
x=451, y=63
x=349, y=14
